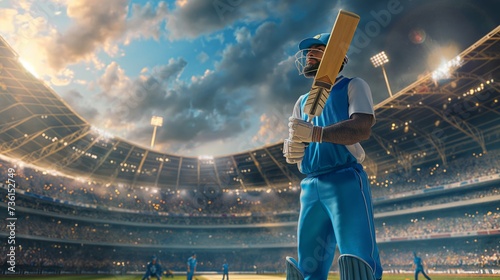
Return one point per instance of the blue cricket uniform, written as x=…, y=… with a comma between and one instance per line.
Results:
x=419, y=268
x=191, y=263
x=225, y=271
x=336, y=207
x=153, y=270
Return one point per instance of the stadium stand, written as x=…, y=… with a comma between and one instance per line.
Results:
x=88, y=202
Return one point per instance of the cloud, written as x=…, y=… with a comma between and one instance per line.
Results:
x=146, y=21
x=193, y=113
x=102, y=25
x=135, y=100
x=202, y=57
x=192, y=19
x=272, y=127
x=172, y=70
x=113, y=76
x=81, y=105
x=195, y=18
x=7, y=20
x=132, y=102
x=242, y=35
x=96, y=24
x=63, y=78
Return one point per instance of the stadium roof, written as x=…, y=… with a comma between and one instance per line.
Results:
x=448, y=112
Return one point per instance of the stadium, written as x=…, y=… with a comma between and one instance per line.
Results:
x=90, y=203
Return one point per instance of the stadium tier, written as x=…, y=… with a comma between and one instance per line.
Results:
x=461, y=216
x=82, y=195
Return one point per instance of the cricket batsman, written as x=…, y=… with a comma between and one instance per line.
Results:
x=335, y=199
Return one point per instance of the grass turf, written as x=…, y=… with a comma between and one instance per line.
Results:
x=183, y=277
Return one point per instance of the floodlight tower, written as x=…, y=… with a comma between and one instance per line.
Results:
x=155, y=122
x=379, y=60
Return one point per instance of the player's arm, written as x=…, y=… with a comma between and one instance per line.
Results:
x=361, y=117
x=349, y=132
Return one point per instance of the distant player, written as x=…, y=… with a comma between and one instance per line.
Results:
x=419, y=266
x=153, y=269
x=191, y=266
x=225, y=270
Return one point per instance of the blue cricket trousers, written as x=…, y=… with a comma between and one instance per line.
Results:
x=336, y=209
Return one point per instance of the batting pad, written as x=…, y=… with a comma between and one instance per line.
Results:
x=354, y=268
x=292, y=270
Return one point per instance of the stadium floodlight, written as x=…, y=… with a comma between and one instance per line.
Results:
x=155, y=122
x=445, y=69
x=379, y=60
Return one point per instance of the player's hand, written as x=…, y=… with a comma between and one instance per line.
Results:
x=302, y=131
x=293, y=151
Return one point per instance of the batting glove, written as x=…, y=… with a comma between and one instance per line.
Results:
x=293, y=151
x=302, y=131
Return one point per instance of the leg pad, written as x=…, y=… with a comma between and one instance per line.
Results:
x=354, y=268
x=292, y=270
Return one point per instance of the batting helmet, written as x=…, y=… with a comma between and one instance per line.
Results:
x=320, y=39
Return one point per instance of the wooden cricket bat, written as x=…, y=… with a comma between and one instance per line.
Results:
x=335, y=51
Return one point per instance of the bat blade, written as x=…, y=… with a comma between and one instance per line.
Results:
x=333, y=56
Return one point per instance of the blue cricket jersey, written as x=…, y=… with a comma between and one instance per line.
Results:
x=191, y=263
x=323, y=157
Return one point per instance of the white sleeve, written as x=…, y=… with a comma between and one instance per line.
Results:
x=360, y=98
x=297, y=112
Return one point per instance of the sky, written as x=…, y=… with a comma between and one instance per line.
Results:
x=221, y=73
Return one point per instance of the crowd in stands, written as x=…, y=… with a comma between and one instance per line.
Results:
x=150, y=217
x=470, y=219
x=439, y=199
x=466, y=254
x=55, y=228
x=415, y=226
x=458, y=169
x=255, y=205
x=280, y=216
x=196, y=202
